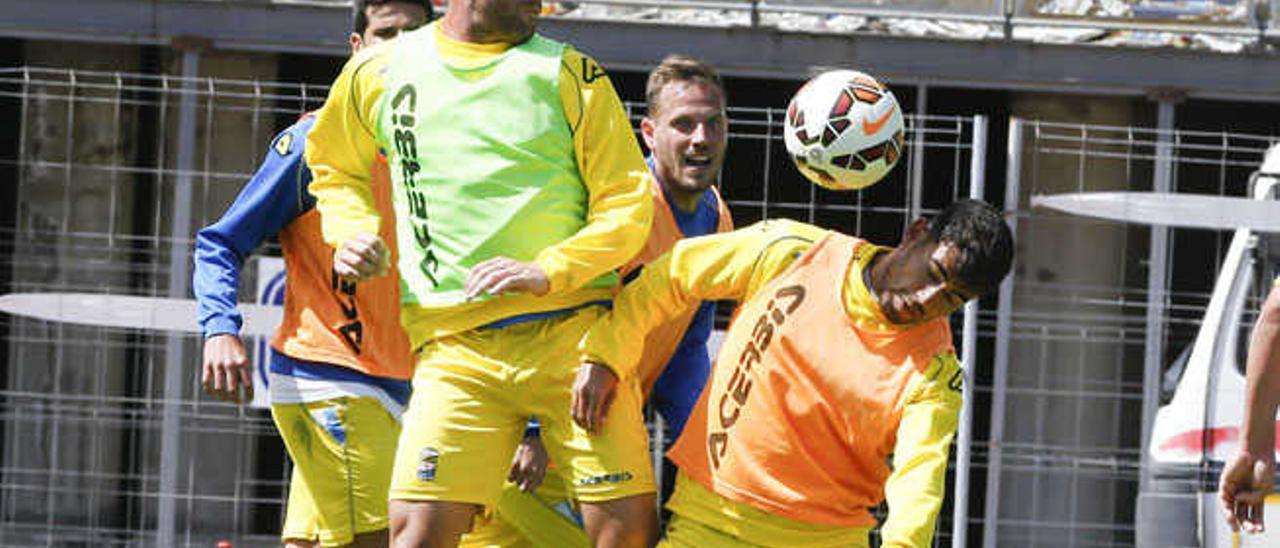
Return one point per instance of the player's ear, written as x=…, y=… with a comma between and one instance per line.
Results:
x=647, y=127
x=918, y=228
x=356, y=42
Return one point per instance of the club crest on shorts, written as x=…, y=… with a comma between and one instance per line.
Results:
x=428, y=459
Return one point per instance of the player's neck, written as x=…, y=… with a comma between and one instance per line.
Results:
x=684, y=200
x=873, y=274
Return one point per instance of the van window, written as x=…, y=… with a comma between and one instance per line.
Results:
x=1265, y=259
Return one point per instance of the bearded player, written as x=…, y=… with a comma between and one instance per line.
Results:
x=519, y=190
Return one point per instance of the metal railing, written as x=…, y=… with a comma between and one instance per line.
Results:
x=1001, y=18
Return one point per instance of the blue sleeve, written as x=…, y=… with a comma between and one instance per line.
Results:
x=270, y=200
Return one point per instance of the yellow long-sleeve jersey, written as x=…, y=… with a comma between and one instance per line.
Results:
x=737, y=265
x=342, y=145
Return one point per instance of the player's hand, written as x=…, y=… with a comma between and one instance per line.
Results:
x=529, y=465
x=1243, y=488
x=503, y=275
x=362, y=257
x=226, y=369
x=593, y=392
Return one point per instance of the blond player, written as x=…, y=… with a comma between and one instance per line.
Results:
x=686, y=131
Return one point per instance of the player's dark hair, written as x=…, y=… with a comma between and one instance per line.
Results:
x=360, y=17
x=679, y=68
x=985, y=242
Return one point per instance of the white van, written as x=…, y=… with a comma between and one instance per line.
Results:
x=1197, y=431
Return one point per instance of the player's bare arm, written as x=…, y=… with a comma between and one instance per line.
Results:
x=1246, y=479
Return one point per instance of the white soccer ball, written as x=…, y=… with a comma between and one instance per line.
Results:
x=844, y=130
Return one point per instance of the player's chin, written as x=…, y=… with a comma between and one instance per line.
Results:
x=903, y=314
x=698, y=177
x=528, y=15
x=516, y=27
x=693, y=184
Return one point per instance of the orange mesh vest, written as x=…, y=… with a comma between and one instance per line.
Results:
x=802, y=409
x=662, y=341
x=328, y=321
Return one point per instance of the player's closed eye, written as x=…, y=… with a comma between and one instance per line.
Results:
x=936, y=273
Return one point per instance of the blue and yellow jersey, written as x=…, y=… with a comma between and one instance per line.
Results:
x=675, y=363
x=326, y=323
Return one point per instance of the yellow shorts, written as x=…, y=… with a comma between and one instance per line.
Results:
x=342, y=455
x=474, y=393
x=703, y=519
x=522, y=520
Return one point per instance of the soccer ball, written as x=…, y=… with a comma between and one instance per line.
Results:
x=844, y=130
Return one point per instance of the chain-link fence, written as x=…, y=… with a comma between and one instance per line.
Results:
x=1100, y=312
x=97, y=447
x=106, y=438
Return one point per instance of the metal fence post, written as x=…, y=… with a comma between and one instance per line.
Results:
x=179, y=280
x=1262, y=19
x=1004, y=321
x=968, y=356
x=920, y=131
x=657, y=450
x=1157, y=283
x=1007, y=7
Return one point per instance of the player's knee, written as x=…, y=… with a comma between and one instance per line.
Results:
x=637, y=534
x=429, y=524
x=627, y=522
